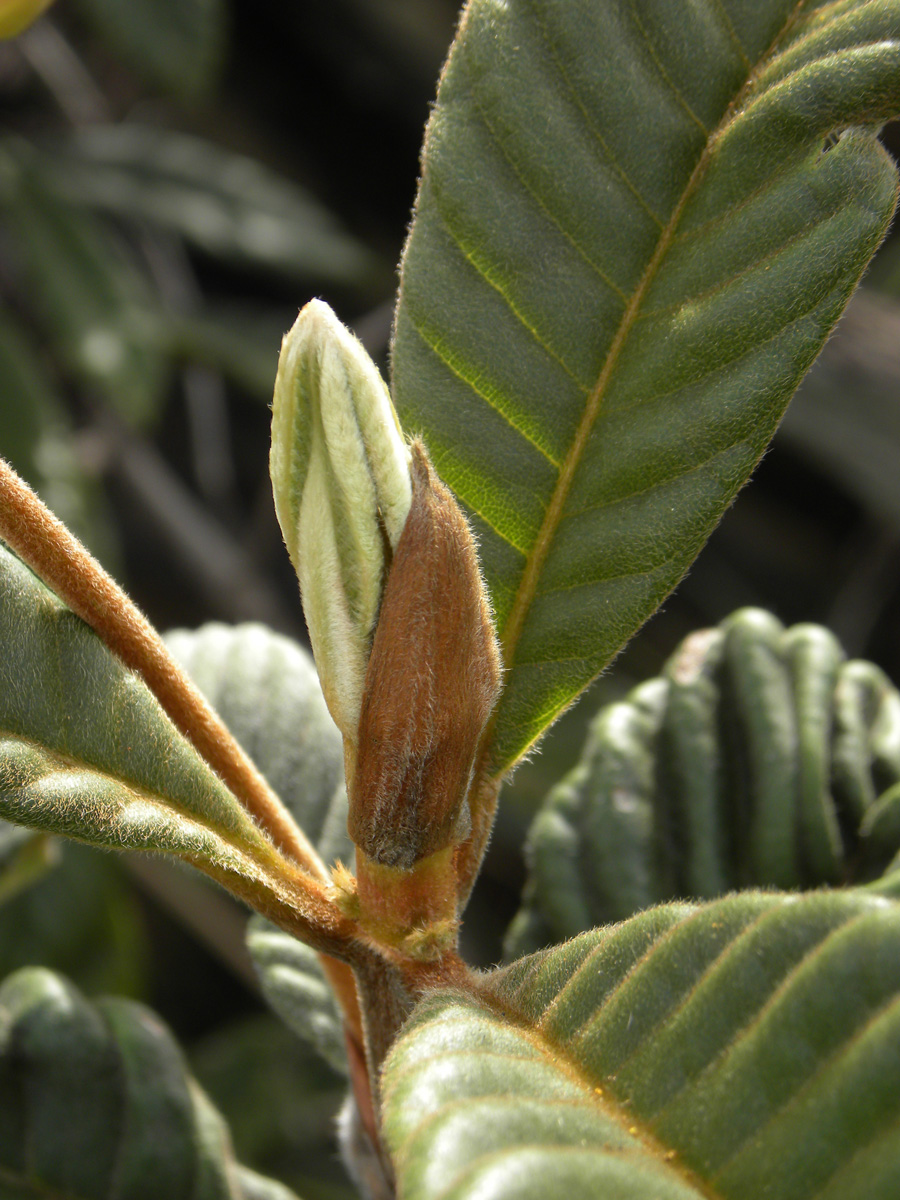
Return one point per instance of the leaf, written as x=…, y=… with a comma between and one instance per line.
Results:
x=226, y=204
x=759, y=757
x=113, y=772
x=744, y=1048
x=96, y=1100
x=177, y=44
x=85, y=288
x=265, y=688
x=635, y=227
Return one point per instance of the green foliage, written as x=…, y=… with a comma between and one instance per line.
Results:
x=760, y=757
x=96, y=1100
x=743, y=1048
x=113, y=772
x=599, y=345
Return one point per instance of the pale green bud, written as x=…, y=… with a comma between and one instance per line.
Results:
x=341, y=479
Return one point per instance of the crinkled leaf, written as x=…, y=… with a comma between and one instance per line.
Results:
x=748, y=1047
x=265, y=688
x=296, y=988
x=96, y=1100
x=598, y=343
x=228, y=205
x=86, y=751
x=177, y=44
x=94, y=303
x=760, y=757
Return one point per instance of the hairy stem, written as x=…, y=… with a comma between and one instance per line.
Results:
x=60, y=560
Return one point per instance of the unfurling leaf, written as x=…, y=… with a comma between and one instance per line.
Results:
x=340, y=476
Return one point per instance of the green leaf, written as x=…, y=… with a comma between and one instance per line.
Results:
x=96, y=1100
x=85, y=288
x=635, y=227
x=265, y=688
x=749, y=1047
x=177, y=44
x=226, y=204
x=760, y=757
x=86, y=751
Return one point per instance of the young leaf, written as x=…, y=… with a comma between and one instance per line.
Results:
x=759, y=757
x=635, y=227
x=744, y=1048
x=96, y=1100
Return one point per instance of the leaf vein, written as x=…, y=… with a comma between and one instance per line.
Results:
x=663, y=73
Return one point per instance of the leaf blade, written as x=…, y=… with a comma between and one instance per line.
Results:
x=595, y=443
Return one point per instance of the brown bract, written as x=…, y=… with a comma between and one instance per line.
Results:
x=432, y=680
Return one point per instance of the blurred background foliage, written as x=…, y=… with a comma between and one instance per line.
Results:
x=177, y=177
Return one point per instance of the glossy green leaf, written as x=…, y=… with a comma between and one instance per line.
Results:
x=224, y=203
x=86, y=290
x=96, y=1101
x=86, y=751
x=746, y=1048
x=760, y=757
x=177, y=44
x=265, y=688
x=636, y=225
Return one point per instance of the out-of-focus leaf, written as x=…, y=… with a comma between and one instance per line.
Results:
x=749, y=1047
x=226, y=204
x=86, y=751
x=265, y=688
x=25, y=857
x=36, y=436
x=297, y=990
x=96, y=1100
x=88, y=293
x=177, y=44
x=760, y=757
x=279, y=1100
x=81, y=919
x=242, y=343
x=598, y=345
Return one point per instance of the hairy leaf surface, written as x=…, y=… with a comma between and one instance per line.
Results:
x=759, y=757
x=749, y=1047
x=636, y=224
x=96, y=1102
x=86, y=751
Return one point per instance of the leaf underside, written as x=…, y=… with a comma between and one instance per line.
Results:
x=636, y=224
x=86, y=751
x=749, y=1047
x=759, y=758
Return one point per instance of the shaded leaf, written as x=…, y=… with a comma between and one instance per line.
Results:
x=224, y=203
x=114, y=772
x=598, y=346
x=760, y=757
x=744, y=1048
x=176, y=44
x=96, y=1100
x=87, y=291
x=265, y=688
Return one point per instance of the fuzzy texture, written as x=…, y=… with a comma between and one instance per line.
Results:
x=432, y=681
